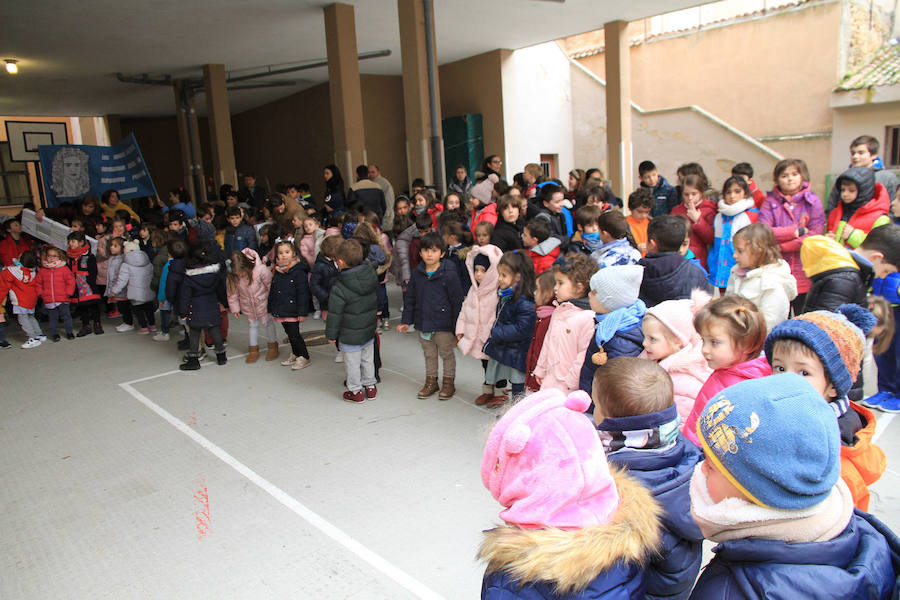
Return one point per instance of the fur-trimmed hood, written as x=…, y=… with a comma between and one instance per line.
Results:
x=572, y=559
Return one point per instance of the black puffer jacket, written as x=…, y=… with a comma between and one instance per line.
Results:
x=289, y=292
x=200, y=294
x=353, y=306
x=507, y=236
x=670, y=276
x=833, y=288
x=324, y=274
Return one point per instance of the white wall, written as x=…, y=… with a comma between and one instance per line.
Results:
x=537, y=108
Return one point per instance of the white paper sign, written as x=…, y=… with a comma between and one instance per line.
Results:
x=50, y=231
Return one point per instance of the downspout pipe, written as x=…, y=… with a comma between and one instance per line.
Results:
x=437, y=168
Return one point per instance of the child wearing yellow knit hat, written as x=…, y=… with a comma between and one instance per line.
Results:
x=827, y=349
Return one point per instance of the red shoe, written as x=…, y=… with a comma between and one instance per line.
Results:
x=354, y=397
x=370, y=392
x=113, y=314
x=497, y=401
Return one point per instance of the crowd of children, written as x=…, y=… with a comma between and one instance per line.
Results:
x=717, y=342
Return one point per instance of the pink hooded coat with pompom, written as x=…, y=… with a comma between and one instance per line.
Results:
x=480, y=305
x=252, y=300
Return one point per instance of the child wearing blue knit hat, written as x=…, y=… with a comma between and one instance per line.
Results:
x=770, y=494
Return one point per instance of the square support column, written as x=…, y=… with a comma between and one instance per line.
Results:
x=219, y=116
x=618, y=107
x=414, y=58
x=344, y=88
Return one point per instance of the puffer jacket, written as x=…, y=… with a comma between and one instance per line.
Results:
x=544, y=254
x=103, y=258
x=55, y=284
x=11, y=248
x=688, y=370
x=353, y=306
x=770, y=287
x=626, y=342
x=784, y=216
x=862, y=562
x=479, y=307
x=541, y=324
x=200, y=293
x=251, y=299
x=21, y=285
x=238, y=238
x=511, y=333
x=718, y=381
x=485, y=213
x=507, y=236
x=457, y=255
x=568, y=336
x=159, y=262
x=615, y=253
x=836, y=276
x=863, y=463
x=113, y=264
x=324, y=274
x=667, y=474
x=310, y=244
x=670, y=276
x=402, y=252
x=870, y=210
x=433, y=303
x=703, y=232
x=133, y=278
x=604, y=562
x=289, y=292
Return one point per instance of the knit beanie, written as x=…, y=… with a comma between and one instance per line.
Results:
x=774, y=439
x=482, y=260
x=483, y=190
x=205, y=231
x=348, y=229
x=545, y=464
x=678, y=315
x=838, y=339
x=618, y=286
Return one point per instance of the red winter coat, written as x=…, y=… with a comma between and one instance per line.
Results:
x=703, y=233
x=19, y=283
x=541, y=325
x=487, y=213
x=10, y=249
x=56, y=284
x=865, y=216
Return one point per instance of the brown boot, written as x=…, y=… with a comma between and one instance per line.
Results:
x=447, y=389
x=272, y=354
x=429, y=388
x=486, y=396
x=252, y=355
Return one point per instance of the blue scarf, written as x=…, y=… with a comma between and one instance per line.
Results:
x=506, y=292
x=591, y=241
x=655, y=431
x=610, y=324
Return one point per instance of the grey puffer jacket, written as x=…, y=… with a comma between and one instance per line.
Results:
x=134, y=277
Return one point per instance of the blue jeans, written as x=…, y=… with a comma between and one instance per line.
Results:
x=889, y=364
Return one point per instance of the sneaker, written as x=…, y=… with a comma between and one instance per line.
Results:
x=123, y=327
x=42, y=337
x=317, y=314
x=371, y=392
x=289, y=360
x=143, y=331
x=70, y=336
x=113, y=314
x=5, y=345
x=386, y=324
x=32, y=343
x=161, y=337
x=339, y=357
x=875, y=400
x=85, y=330
x=55, y=338
x=355, y=397
x=152, y=328
x=891, y=404
x=98, y=329
x=300, y=363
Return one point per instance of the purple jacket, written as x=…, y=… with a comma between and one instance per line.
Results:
x=784, y=215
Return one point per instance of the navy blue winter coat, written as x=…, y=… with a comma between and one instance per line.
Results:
x=173, y=280
x=862, y=562
x=238, y=238
x=628, y=342
x=433, y=303
x=512, y=332
x=670, y=276
x=667, y=474
x=200, y=293
x=324, y=274
x=289, y=292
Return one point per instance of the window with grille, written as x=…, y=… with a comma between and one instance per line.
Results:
x=891, y=154
x=15, y=188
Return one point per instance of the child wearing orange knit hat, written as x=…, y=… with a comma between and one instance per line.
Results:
x=827, y=349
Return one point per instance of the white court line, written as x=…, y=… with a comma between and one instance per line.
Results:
x=881, y=424
x=375, y=561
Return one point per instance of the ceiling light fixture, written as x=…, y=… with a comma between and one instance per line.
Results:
x=11, y=66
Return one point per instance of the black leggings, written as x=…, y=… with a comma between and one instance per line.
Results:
x=145, y=313
x=124, y=307
x=195, y=335
x=298, y=346
x=90, y=312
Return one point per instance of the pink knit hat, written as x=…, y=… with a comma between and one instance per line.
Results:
x=544, y=462
x=483, y=189
x=678, y=315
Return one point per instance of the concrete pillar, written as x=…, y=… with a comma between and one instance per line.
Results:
x=219, y=116
x=415, y=90
x=189, y=140
x=114, y=126
x=618, y=107
x=344, y=88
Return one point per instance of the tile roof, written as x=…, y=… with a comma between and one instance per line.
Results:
x=883, y=69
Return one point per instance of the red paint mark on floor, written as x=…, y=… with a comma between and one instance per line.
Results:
x=201, y=512
x=192, y=421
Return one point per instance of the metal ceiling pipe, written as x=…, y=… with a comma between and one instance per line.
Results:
x=437, y=167
x=321, y=63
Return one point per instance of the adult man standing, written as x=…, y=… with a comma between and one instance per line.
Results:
x=366, y=194
x=252, y=194
x=387, y=221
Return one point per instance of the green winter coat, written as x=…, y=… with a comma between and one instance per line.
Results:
x=353, y=306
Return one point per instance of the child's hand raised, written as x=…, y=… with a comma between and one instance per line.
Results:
x=402, y=328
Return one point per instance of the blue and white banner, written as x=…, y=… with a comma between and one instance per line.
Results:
x=71, y=172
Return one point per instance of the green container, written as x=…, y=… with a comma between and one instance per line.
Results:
x=463, y=144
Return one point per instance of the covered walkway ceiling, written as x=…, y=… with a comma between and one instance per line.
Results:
x=69, y=52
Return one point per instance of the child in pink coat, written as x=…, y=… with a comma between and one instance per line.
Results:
x=671, y=340
x=734, y=332
x=248, y=293
x=571, y=326
x=473, y=327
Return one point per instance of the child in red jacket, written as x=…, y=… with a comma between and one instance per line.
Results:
x=544, y=306
x=56, y=286
x=543, y=248
x=19, y=281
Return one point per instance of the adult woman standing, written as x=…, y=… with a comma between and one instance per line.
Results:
x=334, y=190
x=110, y=203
